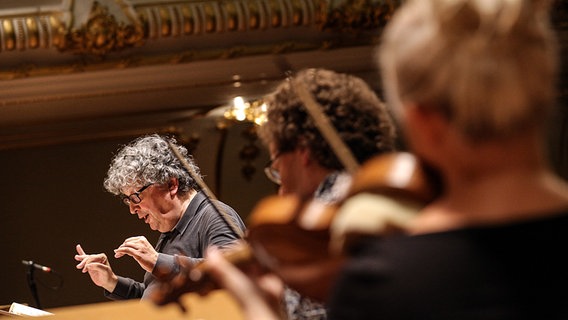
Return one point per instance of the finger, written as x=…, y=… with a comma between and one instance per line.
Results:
x=86, y=268
x=94, y=267
x=132, y=243
x=80, y=250
x=90, y=258
x=134, y=239
x=85, y=260
x=80, y=264
x=272, y=285
x=120, y=252
x=129, y=250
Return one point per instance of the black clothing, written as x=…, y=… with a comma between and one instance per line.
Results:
x=512, y=271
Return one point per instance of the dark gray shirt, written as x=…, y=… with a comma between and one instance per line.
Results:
x=200, y=227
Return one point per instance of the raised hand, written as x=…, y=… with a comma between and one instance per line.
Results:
x=98, y=267
x=141, y=250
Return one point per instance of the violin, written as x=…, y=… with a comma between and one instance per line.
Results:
x=385, y=195
x=305, y=242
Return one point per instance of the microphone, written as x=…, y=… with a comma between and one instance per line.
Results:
x=37, y=266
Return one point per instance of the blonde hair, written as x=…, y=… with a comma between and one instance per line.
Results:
x=489, y=66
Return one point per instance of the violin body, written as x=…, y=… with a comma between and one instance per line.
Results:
x=295, y=245
x=305, y=242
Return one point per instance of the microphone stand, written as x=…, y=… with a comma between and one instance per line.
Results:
x=32, y=283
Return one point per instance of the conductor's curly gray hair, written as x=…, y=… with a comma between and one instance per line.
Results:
x=146, y=160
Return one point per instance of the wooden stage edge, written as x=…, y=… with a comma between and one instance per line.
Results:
x=216, y=305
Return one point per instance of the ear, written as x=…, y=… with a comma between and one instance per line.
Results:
x=305, y=156
x=173, y=186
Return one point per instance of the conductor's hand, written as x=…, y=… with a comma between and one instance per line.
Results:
x=141, y=250
x=98, y=267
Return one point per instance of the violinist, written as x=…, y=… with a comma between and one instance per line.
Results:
x=302, y=162
x=154, y=185
x=472, y=83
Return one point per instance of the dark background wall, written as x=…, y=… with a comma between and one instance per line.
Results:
x=52, y=198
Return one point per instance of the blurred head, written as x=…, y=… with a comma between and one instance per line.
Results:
x=487, y=66
x=355, y=111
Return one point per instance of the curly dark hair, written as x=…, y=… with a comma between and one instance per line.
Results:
x=361, y=119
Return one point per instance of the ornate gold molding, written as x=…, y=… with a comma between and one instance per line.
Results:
x=100, y=27
x=194, y=18
x=89, y=28
x=31, y=32
x=69, y=35
x=102, y=34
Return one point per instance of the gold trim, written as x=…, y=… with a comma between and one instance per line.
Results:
x=33, y=32
x=107, y=30
x=102, y=34
x=114, y=25
x=131, y=23
x=8, y=35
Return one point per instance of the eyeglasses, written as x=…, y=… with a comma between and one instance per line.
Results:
x=272, y=174
x=135, y=197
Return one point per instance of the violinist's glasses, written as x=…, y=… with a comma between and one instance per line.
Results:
x=135, y=197
x=273, y=174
